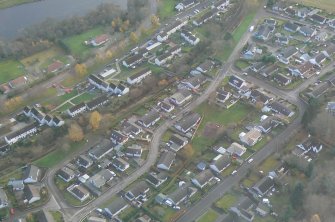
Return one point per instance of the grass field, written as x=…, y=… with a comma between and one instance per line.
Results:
x=42, y=57
x=10, y=69
x=226, y=202
x=166, y=8
x=11, y=3
x=209, y=216
x=76, y=43
x=83, y=98
x=328, y=5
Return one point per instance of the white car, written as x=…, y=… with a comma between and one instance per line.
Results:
x=250, y=160
x=234, y=172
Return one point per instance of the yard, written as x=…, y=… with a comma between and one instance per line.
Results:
x=269, y=164
x=226, y=202
x=10, y=69
x=242, y=64
x=85, y=97
x=166, y=9
x=209, y=216
x=328, y=5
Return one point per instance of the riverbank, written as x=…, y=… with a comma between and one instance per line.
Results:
x=11, y=3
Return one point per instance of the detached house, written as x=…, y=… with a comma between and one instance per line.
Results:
x=236, y=149
x=222, y=96
x=101, y=178
x=116, y=207
x=318, y=19
x=31, y=194
x=203, y=178
x=184, y=4
x=188, y=122
x=21, y=134
x=236, y=82
x=133, y=151
x=319, y=59
x=32, y=174
x=156, y=179
x=99, y=40
x=79, y=192
x=118, y=138
x=205, y=66
x=281, y=109
x=220, y=163
x=66, y=174
x=291, y=27
x=282, y=79
x=307, y=31
x=84, y=161
x=194, y=82
x=180, y=97
x=311, y=144
x=77, y=109
x=264, y=31
x=305, y=70
x=101, y=149
x=285, y=55
x=177, y=142
x=120, y=164
x=138, y=191
x=250, y=138
x=166, y=160
x=166, y=106
x=150, y=118
x=264, y=186
x=139, y=76
x=130, y=129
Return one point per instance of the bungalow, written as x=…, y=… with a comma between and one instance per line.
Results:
x=180, y=97
x=166, y=160
x=149, y=119
x=184, y=4
x=116, y=207
x=305, y=70
x=133, y=60
x=203, y=178
x=206, y=66
x=307, y=31
x=322, y=36
x=101, y=178
x=56, y=66
x=156, y=179
x=236, y=149
x=188, y=122
x=190, y=37
x=222, y=96
x=236, y=82
x=31, y=194
x=281, y=109
x=120, y=164
x=99, y=40
x=79, y=192
x=21, y=133
x=130, y=129
x=96, y=102
x=267, y=124
x=76, y=109
x=3, y=199
x=66, y=174
x=311, y=144
x=318, y=19
x=258, y=96
x=291, y=27
x=177, y=142
x=118, y=138
x=139, y=76
x=182, y=194
x=220, y=163
x=282, y=79
x=319, y=59
x=269, y=70
x=250, y=138
x=264, y=31
x=138, y=191
x=166, y=106
x=134, y=151
x=32, y=174
x=263, y=186
x=286, y=54
x=121, y=89
x=101, y=149
x=99, y=83
x=194, y=82
x=84, y=161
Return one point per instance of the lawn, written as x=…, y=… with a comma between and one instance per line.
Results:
x=42, y=57
x=83, y=98
x=209, y=216
x=11, y=3
x=16, y=174
x=10, y=69
x=242, y=64
x=166, y=8
x=269, y=164
x=4, y=213
x=57, y=216
x=54, y=157
x=328, y=5
x=226, y=202
x=76, y=43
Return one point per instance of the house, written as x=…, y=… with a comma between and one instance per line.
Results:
x=263, y=186
x=283, y=40
x=201, y=166
x=116, y=207
x=257, y=96
x=181, y=195
x=205, y=67
x=166, y=160
x=222, y=96
x=177, y=142
x=79, y=192
x=56, y=66
x=150, y=118
x=99, y=40
x=121, y=89
x=5, y=88
x=118, y=138
x=305, y=70
x=37, y=114
x=3, y=199
x=264, y=31
x=139, y=76
x=311, y=144
x=188, y=122
x=180, y=97
x=290, y=11
x=319, y=59
x=329, y=50
x=203, y=178
x=16, y=184
x=166, y=106
x=101, y=178
x=189, y=37
x=258, y=66
x=194, y=82
x=262, y=209
x=318, y=19
x=132, y=60
x=99, y=83
x=220, y=163
x=251, y=51
x=57, y=121
x=269, y=70
x=319, y=90
x=184, y=4
x=302, y=12
x=4, y=147
x=133, y=151
x=236, y=82
x=21, y=133
x=18, y=82
x=331, y=23
x=307, y=31
x=77, y=109
x=206, y=17
x=96, y=102
x=101, y=149
x=321, y=36
x=66, y=174
x=331, y=107
x=84, y=161
x=291, y=27
x=120, y=164
x=32, y=174
x=138, y=191
x=221, y=4
x=112, y=87
x=250, y=138
x=236, y=149
x=130, y=129
x=267, y=124
x=244, y=209
x=164, y=35
x=44, y=216
x=278, y=6
x=282, y=79
x=31, y=194
x=156, y=179
x=167, y=56
x=280, y=109
x=286, y=54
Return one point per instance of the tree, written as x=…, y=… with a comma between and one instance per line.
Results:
x=133, y=37
x=95, y=119
x=76, y=133
x=187, y=152
x=80, y=69
x=109, y=54
x=154, y=21
x=163, y=82
x=297, y=196
x=228, y=36
x=13, y=103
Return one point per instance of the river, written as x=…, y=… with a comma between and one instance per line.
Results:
x=14, y=20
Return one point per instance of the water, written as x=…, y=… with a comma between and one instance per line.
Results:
x=14, y=20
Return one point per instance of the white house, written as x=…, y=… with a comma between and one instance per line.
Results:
x=139, y=76
x=190, y=37
x=21, y=134
x=77, y=109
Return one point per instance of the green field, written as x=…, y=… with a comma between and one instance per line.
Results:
x=209, y=216
x=53, y=158
x=328, y=5
x=226, y=202
x=76, y=43
x=242, y=64
x=10, y=69
x=11, y=3
x=83, y=98
x=166, y=8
